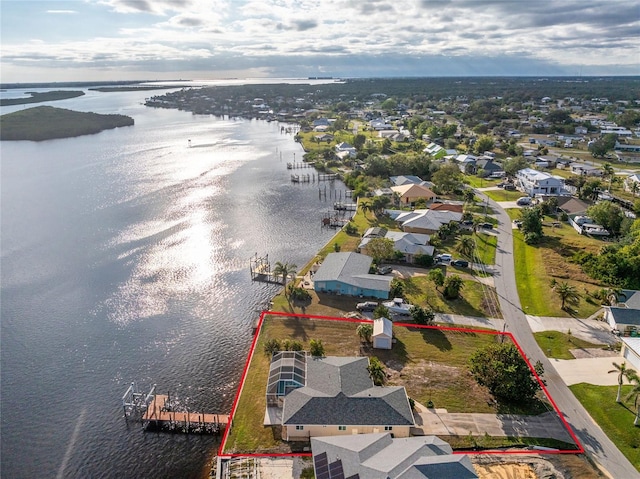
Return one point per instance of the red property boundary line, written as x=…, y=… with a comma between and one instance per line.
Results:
x=579, y=450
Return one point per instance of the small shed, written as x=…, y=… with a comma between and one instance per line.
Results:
x=382, y=333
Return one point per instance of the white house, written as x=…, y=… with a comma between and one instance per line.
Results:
x=344, y=149
x=535, y=182
x=632, y=180
x=382, y=333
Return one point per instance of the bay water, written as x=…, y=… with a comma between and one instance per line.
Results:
x=125, y=257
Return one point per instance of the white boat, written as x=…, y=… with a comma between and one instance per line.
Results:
x=398, y=306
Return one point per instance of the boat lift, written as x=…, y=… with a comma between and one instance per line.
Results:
x=135, y=403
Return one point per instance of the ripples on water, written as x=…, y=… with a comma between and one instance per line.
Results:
x=125, y=257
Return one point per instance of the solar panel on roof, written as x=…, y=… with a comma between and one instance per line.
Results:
x=335, y=470
x=321, y=466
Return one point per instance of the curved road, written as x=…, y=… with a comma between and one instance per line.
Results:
x=598, y=446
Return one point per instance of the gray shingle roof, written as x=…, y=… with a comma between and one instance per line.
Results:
x=339, y=391
x=626, y=316
x=378, y=456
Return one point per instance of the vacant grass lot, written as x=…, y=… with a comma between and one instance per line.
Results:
x=558, y=345
x=537, y=265
x=616, y=420
x=504, y=195
x=430, y=363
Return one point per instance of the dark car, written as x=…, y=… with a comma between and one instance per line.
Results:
x=367, y=306
x=460, y=262
x=385, y=270
x=487, y=226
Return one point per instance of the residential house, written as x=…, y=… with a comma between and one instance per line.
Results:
x=348, y=273
x=339, y=399
x=489, y=168
x=457, y=206
x=624, y=317
x=435, y=151
x=632, y=183
x=585, y=169
x=409, y=179
x=326, y=137
x=344, y=150
x=382, y=337
x=410, y=193
x=572, y=205
x=424, y=221
x=466, y=163
x=535, y=182
x=380, y=124
x=381, y=456
x=409, y=244
x=630, y=351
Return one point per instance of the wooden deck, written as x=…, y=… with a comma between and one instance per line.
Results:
x=157, y=415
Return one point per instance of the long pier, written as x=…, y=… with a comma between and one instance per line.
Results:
x=161, y=416
x=157, y=412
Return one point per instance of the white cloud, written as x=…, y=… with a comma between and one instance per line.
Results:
x=330, y=35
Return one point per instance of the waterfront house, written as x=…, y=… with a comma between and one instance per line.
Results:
x=410, y=193
x=381, y=456
x=348, y=273
x=535, y=182
x=344, y=150
x=424, y=221
x=409, y=244
x=382, y=337
x=339, y=398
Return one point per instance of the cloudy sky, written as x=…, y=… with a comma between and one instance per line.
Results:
x=51, y=40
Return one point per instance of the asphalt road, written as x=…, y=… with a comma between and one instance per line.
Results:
x=595, y=442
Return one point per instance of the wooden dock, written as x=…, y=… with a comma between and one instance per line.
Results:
x=159, y=415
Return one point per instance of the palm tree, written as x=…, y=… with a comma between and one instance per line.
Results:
x=365, y=330
x=568, y=294
x=376, y=371
x=365, y=207
x=634, y=379
x=623, y=372
x=609, y=172
x=466, y=246
x=284, y=270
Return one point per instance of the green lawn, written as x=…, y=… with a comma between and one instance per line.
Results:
x=473, y=299
x=557, y=345
x=486, y=247
x=616, y=420
x=503, y=195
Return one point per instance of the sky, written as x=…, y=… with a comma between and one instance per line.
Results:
x=105, y=40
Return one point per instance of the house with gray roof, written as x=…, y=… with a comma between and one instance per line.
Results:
x=380, y=456
x=624, y=316
x=348, y=273
x=409, y=244
x=339, y=398
x=424, y=221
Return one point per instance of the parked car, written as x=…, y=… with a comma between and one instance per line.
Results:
x=487, y=226
x=510, y=187
x=385, y=269
x=398, y=306
x=443, y=258
x=367, y=306
x=523, y=201
x=460, y=262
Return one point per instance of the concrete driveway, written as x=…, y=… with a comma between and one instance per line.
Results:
x=598, y=332
x=441, y=422
x=588, y=370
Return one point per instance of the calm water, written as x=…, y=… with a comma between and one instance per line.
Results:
x=125, y=257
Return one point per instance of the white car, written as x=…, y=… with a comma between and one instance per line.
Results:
x=523, y=201
x=444, y=257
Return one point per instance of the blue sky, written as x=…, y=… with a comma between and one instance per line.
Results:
x=51, y=40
